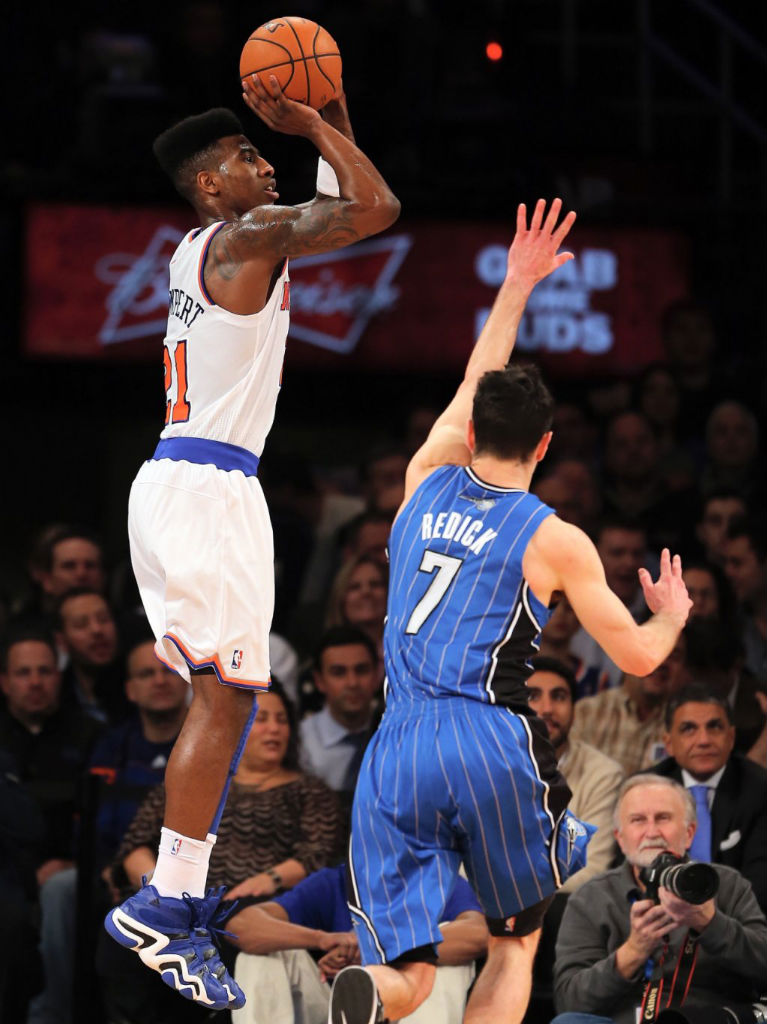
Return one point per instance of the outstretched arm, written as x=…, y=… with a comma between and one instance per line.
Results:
x=533, y=255
x=561, y=557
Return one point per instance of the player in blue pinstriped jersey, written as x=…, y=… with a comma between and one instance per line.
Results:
x=460, y=771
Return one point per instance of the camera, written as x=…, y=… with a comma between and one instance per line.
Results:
x=690, y=880
x=738, y=1013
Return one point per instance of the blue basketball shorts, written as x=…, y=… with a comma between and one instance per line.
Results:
x=446, y=782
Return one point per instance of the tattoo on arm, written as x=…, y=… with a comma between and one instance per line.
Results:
x=324, y=224
x=226, y=263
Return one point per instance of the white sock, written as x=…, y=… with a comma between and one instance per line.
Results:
x=182, y=864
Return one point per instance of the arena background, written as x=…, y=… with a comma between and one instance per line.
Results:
x=646, y=116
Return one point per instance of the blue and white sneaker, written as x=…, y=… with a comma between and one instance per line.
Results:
x=174, y=937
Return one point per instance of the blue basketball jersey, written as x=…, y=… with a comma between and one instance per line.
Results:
x=461, y=619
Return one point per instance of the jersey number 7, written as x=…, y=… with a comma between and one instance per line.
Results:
x=447, y=566
x=180, y=409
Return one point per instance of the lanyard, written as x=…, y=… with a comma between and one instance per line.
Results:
x=683, y=972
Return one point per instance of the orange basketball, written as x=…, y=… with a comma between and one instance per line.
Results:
x=302, y=56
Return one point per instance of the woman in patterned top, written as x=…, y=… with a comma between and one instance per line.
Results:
x=279, y=825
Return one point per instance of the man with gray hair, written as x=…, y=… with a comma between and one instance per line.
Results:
x=615, y=942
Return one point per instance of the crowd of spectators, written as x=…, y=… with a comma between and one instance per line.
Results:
x=89, y=716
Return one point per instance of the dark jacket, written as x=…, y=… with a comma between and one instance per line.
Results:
x=732, y=951
x=738, y=819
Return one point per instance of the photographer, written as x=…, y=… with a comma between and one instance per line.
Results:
x=624, y=932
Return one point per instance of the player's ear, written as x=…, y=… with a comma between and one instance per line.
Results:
x=207, y=183
x=471, y=441
x=543, y=445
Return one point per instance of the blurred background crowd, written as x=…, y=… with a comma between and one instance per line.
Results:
x=638, y=114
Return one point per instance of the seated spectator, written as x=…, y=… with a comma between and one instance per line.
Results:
x=574, y=433
x=745, y=563
x=93, y=679
x=689, y=340
x=279, y=977
x=729, y=791
x=626, y=722
x=634, y=485
x=572, y=489
x=555, y=643
x=732, y=445
x=615, y=943
x=21, y=830
x=50, y=744
x=131, y=757
x=358, y=598
x=621, y=545
x=278, y=826
x=713, y=656
x=383, y=478
x=63, y=557
x=593, y=778
x=333, y=740
x=709, y=591
x=659, y=400
x=719, y=509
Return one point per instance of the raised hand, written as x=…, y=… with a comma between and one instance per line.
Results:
x=533, y=254
x=668, y=594
x=267, y=100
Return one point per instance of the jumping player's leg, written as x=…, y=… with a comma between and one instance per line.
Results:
x=204, y=758
x=502, y=990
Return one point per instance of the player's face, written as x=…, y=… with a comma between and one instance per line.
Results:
x=75, y=562
x=700, y=738
x=652, y=819
x=151, y=686
x=269, y=736
x=245, y=177
x=703, y=593
x=347, y=678
x=365, y=597
x=744, y=570
x=89, y=630
x=712, y=529
x=31, y=682
x=622, y=554
x=549, y=697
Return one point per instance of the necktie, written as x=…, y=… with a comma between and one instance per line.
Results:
x=701, y=843
x=357, y=741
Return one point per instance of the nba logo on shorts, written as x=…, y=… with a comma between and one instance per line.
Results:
x=509, y=924
x=237, y=658
x=176, y=847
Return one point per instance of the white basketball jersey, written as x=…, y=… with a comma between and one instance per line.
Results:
x=222, y=370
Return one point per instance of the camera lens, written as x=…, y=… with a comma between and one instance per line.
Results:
x=694, y=882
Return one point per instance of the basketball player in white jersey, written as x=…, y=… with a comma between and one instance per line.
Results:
x=201, y=541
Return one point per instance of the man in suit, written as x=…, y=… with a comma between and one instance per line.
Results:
x=729, y=790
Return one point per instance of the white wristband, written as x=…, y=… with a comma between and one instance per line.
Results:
x=327, y=182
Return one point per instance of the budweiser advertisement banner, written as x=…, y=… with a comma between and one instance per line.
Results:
x=413, y=299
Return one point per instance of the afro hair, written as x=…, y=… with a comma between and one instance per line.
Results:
x=180, y=144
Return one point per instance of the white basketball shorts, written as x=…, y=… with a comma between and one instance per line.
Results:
x=203, y=556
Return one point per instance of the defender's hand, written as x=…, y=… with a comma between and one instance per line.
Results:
x=533, y=254
x=687, y=914
x=668, y=594
x=266, y=99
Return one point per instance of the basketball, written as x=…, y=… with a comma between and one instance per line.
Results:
x=302, y=56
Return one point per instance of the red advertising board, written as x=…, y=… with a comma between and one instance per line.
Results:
x=411, y=300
